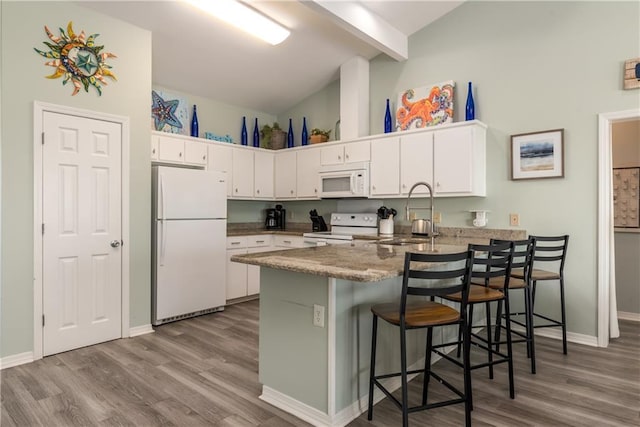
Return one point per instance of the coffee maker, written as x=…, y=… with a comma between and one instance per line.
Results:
x=275, y=218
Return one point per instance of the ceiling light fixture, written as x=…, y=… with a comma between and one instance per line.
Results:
x=244, y=18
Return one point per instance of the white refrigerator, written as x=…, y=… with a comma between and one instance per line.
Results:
x=188, y=242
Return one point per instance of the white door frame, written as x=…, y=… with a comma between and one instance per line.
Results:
x=38, y=109
x=605, y=245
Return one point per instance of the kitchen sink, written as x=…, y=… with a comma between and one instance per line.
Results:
x=404, y=241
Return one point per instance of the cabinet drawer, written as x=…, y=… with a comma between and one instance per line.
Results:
x=259, y=240
x=288, y=241
x=236, y=242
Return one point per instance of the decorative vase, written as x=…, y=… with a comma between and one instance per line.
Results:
x=305, y=134
x=290, y=135
x=194, y=123
x=243, y=135
x=388, y=126
x=470, y=110
x=256, y=134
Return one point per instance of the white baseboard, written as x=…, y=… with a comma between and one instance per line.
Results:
x=623, y=315
x=556, y=333
x=296, y=408
x=140, y=330
x=16, y=359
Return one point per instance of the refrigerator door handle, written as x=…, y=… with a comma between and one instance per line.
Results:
x=163, y=234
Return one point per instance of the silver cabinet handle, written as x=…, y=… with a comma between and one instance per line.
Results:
x=115, y=243
x=180, y=155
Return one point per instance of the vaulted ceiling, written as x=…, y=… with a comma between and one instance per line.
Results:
x=196, y=53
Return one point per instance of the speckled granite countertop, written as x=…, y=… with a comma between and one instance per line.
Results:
x=360, y=261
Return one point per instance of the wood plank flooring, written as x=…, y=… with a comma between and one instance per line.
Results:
x=204, y=372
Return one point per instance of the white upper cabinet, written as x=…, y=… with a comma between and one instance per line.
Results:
x=242, y=172
x=220, y=158
x=263, y=175
x=352, y=152
x=170, y=149
x=459, y=167
x=308, y=166
x=195, y=153
x=416, y=162
x=285, y=175
x=385, y=167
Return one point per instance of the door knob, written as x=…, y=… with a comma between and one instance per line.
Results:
x=115, y=243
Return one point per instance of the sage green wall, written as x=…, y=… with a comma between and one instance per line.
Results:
x=221, y=118
x=534, y=66
x=322, y=110
x=23, y=82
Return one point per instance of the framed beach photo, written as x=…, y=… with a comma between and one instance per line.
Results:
x=537, y=155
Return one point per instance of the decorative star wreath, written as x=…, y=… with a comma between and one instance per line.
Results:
x=78, y=59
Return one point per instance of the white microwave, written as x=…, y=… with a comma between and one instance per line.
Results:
x=349, y=180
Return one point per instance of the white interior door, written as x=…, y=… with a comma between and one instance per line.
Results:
x=82, y=228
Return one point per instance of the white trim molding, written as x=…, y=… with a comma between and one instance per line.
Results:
x=141, y=330
x=16, y=359
x=605, y=244
x=38, y=110
x=634, y=317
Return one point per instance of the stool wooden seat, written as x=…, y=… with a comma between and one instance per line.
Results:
x=493, y=266
x=452, y=275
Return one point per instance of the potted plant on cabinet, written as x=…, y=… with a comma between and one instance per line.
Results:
x=319, y=135
x=273, y=137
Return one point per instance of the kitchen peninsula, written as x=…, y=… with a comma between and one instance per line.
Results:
x=315, y=323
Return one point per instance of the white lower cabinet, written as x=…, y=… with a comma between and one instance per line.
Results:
x=242, y=279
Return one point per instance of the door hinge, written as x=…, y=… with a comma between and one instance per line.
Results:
x=43, y=228
x=42, y=138
x=43, y=320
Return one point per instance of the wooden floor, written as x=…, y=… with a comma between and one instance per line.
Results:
x=204, y=371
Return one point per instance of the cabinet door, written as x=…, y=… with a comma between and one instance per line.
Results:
x=220, y=158
x=286, y=175
x=263, y=175
x=236, y=275
x=308, y=166
x=357, y=152
x=416, y=162
x=385, y=166
x=332, y=155
x=154, y=147
x=242, y=173
x=453, y=160
x=170, y=149
x=195, y=153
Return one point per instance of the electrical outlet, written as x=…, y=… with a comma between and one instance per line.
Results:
x=514, y=219
x=318, y=315
x=437, y=217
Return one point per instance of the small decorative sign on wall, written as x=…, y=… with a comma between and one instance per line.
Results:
x=425, y=106
x=632, y=74
x=77, y=59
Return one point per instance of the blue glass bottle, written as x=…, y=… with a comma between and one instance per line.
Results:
x=305, y=134
x=290, y=135
x=388, y=126
x=194, y=123
x=470, y=110
x=256, y=134
x=243, y=136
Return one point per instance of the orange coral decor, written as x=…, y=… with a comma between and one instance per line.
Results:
x=77, y=58
x=426, y=106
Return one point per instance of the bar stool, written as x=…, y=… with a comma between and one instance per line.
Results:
x=447, y=279
x=520, y=267
x=493, y=266
x=551, y=252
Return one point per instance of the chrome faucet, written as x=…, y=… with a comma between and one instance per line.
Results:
x=407, y=213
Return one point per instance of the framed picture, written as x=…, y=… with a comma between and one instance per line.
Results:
x=537, y=155
x=425, y=106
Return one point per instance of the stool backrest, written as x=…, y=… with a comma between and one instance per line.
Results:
x=446, y=274
x=493, y=261
x=550, y=249
x=522, y=254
